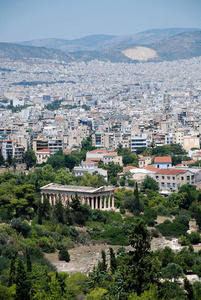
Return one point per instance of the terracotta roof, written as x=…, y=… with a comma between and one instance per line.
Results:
x=163, y=159
x=188, y=161
x=99, y=151
x=170, y=171
x=67, y=151
x=129, y=168
x=150, y=168
x=43, y=150
x=90, y=161
x=111, y=154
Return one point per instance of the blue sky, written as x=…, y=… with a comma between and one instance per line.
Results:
x=23, y=20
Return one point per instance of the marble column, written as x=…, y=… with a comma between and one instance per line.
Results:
x=112, y=201
x=88, y=201
x=92, y=203
x=42, y=197
x=109, y=201
x=96, y=200
x=54, y=198
x=105, y=204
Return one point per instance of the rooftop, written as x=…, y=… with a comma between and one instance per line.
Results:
x=163, y=159
x=75, y=189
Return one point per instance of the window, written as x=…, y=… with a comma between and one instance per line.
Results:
x=173, y=178
x=173, y=184
x=168, y=178
x=182, y=178
x=156, y=177
x=163, y=177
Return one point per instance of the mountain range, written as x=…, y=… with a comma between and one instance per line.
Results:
x=152, y=45
x=101, y=42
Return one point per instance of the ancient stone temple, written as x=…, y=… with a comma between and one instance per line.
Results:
x=97, y=198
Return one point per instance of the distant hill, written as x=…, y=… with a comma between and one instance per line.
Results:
x=101, y=42
x=181, y=46
x=15, y=51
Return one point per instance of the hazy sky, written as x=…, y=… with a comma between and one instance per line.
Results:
x=22, y=20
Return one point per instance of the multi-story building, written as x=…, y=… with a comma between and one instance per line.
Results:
x=42, y=155
x=138, y=141
x=172, y=179
x=54, y=145
x=112, y=157
x=18, y=152
x=91, y=167
x=7, y=148
x=144, y=161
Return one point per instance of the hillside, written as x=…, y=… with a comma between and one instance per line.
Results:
x=101, y=42
x=14, y=51
x=182, y=46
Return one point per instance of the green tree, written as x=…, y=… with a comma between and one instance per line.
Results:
x=9, y=159
x=29, y=158
x=1, y=160
x=172, y=271
x=113, y=263
x=39, y=212
x=150, y=183
x=137, y=270
x=22, y=285
x=59, y=211
x=29, y=265
x=12, y=273
x=64, y=255
x=189, y=288
x=102, y=266
x=97, y=294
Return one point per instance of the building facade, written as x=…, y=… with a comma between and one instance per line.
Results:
x=97, y=198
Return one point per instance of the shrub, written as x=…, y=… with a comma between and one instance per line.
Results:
x=131, y=183
x=172, y=229
x=4, y=263
x=122, y=182
x=3, y=238
x=64, y=255
x=194, y=237
x=65, y=231
x=163, y=211
x=9, y=251
x=182, y=219
x=150, y=215
x=122, y=210
x=155, y=233
x=73, y=233
x=115, y=236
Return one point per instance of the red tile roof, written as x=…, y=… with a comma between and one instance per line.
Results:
x=99, y=151
x=150, y=168
x=170, y=171
x=129, y=168
x=163, y=159
x=67, y=151
x=188, y=161
x=111, y=154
